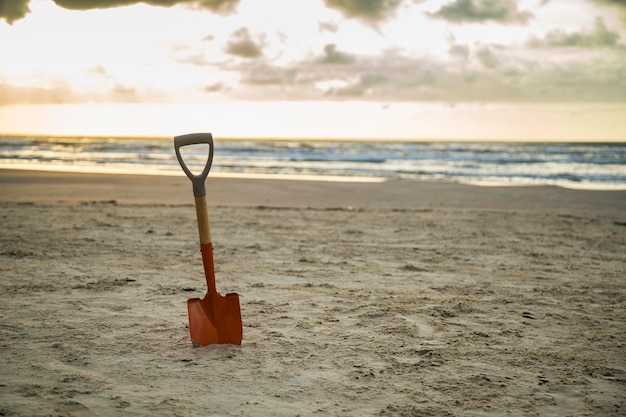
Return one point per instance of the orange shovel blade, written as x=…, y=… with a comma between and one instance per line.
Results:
x=215, y=319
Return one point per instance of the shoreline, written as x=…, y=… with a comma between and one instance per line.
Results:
x=22, y=186
x=585, y=186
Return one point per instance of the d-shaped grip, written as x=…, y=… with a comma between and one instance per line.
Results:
x=195, y=139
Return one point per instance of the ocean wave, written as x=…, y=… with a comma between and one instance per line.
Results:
x=576, y=165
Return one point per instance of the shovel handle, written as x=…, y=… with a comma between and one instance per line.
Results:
x=199, y=190
x=202, y=214
x=195, y=139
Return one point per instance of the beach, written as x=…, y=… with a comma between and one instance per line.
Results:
x=396, y=298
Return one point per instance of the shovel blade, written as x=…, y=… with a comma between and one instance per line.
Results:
x=215, y=319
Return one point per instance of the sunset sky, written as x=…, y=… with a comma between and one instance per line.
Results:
x=419, y=69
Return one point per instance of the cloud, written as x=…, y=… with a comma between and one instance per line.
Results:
x=476, y=11
x=124, y=93
x=214, y=5
x=268, y=75
x=333, y=56
x=487, y=58
x=242, y=45
x=459, y=51
x=99, y=70
x=251, y=63
x=368, y=10
x=12, y=10
x=366, y=85
x=486, y=73
x=10, y=94
x=599, y=36
x=611, y=2
x=214, y=88
x=196, y=59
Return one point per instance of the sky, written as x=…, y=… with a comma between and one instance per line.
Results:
x=388, y=69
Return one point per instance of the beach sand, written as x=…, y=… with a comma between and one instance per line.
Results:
x=399, y=298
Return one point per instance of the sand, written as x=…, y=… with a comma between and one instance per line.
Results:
x=394, y=299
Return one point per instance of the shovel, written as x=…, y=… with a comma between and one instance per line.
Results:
x=215, y=318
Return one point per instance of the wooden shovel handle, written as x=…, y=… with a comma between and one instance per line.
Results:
x=202, y=214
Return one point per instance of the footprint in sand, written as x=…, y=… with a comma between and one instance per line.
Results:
x=425, y=330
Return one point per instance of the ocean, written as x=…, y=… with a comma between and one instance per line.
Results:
x=571, y=165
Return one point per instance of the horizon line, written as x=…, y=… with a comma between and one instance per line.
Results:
x=313, y=139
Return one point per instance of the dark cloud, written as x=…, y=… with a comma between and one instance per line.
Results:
x=12, y=10
x=214, y=88
x=487, y=58
x=599, y=36
x=268, y=75
x=214, y=5
x=475, y=11
x=611, y=2
x=483, y=73
x=333, y=56
x=368, y=10
x=242, y=45
x=591, y=81
x=500, y=76
x=105, y=4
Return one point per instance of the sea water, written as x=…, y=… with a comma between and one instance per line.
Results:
x=574, y=165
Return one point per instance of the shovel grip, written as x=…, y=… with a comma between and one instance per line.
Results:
x=195, y=139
